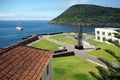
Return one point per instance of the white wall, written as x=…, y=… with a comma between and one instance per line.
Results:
x=49, y=76
x=107, y=31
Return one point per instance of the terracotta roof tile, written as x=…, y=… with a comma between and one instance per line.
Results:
x=1, y=49
x=23, y=63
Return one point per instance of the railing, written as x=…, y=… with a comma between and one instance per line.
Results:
x=23, y=42
x=28, y=40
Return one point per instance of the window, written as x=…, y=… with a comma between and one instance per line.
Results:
x=103, y=39
x=109, y=34
x=98, y=32
x=47, y=69
x=103, y=33
x=98, y=38
x=41, y=78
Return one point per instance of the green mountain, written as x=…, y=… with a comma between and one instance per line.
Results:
x=89, y=15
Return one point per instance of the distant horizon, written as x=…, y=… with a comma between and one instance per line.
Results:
x=44, y=9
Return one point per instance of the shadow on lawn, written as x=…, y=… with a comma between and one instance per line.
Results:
x=59, y=71
x=81, y=76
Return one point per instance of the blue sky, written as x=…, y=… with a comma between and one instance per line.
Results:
x=43, y=9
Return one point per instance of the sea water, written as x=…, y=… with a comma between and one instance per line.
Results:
x=9, y=35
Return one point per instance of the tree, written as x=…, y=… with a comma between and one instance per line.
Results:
x=117, y=36
x=112, y=72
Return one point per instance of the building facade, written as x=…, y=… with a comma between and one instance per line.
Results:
x=103, y=34
x=25, y=63
x=48, y=73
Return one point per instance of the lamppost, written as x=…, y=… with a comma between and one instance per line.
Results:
x=80, y=44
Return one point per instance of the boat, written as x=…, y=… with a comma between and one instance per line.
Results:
x=19, y=27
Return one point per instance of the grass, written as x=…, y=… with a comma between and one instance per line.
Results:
x=72, y=68
x=45, y=44
x=65, y=38
x=68, y=68
x=102, y=54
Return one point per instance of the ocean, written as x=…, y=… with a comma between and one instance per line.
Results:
x=9, y=35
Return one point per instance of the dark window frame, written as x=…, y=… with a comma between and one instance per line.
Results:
x=104, y=39
x=98, y=37
x=109, y=34
x=103, y=33
x=41, y=78
x=98, y=32
x=48, y=70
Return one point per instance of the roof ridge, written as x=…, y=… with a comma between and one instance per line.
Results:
x=9, y=48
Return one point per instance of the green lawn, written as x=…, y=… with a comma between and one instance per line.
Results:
x=65, y=38
x=45, y=44
x=72, y=68
x=68, y=68
x=101, y=53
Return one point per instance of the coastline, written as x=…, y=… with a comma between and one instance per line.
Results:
x=85, y=24
x=8, y=30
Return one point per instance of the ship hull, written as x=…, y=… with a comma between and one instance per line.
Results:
x=19, y=28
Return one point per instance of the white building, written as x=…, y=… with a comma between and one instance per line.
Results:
x=103, y=34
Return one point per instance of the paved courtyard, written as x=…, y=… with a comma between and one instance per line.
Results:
x=80, y=53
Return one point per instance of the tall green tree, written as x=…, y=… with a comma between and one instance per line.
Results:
x=112, y=72
x=116, y=35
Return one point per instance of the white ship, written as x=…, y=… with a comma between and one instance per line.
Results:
x=19, y=27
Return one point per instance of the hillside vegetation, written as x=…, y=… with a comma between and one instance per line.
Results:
x=89, y=15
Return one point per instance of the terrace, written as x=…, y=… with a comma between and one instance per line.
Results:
x=71, y=67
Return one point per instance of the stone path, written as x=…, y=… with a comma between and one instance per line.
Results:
x=80, y=53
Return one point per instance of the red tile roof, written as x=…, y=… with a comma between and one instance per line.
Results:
x=23, y=63
x=0, y=49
